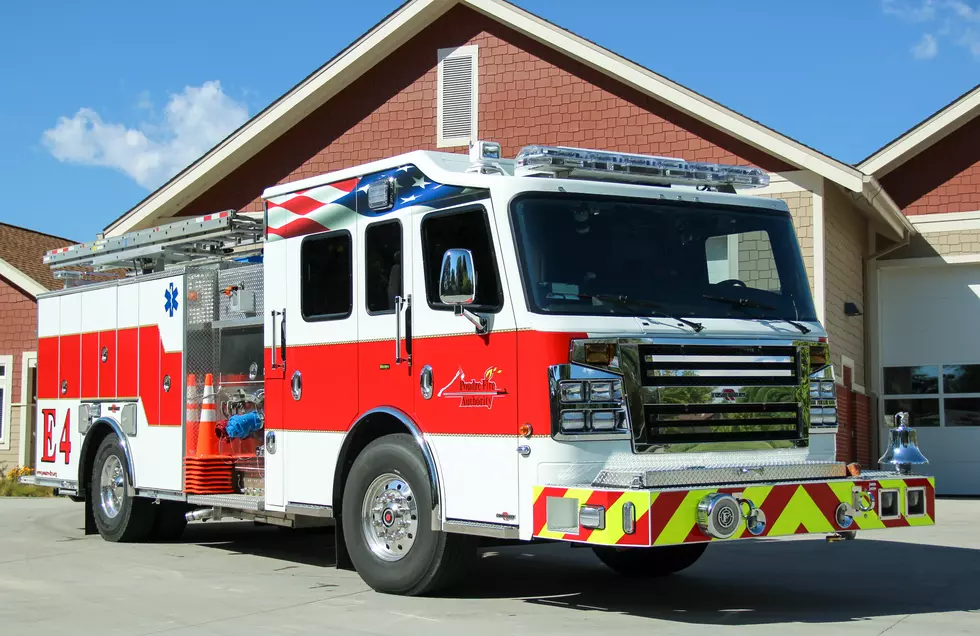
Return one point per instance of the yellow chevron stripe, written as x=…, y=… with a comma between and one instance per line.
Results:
x=801, y=509
x=613, y=531
x=683, y=520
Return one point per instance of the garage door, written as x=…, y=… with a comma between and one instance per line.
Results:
x=930, y=337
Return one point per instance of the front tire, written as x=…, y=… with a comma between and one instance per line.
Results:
x=119, y=516
x=650, y=562
x=386, y=517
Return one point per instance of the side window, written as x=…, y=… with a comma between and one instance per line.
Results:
x=325, y=276
x=382, y=266
x=469, y=229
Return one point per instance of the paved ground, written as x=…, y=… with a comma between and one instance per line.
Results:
x=234, y=578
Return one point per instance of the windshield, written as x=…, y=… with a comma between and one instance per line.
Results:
x=631, y=257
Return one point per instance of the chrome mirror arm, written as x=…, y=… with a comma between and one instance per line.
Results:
x=481, y=323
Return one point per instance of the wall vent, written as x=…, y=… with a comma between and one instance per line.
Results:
x=457, y=96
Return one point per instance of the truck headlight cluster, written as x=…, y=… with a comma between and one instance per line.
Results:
x=823, y=398
x=591, y=406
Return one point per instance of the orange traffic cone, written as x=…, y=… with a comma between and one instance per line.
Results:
x=207, y=439
x=193, y=414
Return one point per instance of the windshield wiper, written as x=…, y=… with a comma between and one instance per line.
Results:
x=626, y=300
x=744, y=303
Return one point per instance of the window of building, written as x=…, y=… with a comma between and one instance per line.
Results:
x=456, y=96
x=325, y=276
x=934, y=395
x=470, y=230
x=6, y=379
x=382, y=266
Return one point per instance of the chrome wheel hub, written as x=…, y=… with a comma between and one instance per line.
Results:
x=389, y=517
x=111, y=486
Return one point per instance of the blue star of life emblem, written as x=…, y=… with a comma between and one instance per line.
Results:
x=171, y=295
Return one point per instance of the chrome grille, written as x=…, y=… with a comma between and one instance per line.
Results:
x=731, y=395
x=712, y=365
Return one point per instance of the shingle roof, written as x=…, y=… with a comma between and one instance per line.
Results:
x=25, y=248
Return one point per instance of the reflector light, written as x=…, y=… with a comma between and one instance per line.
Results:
x=562, y=161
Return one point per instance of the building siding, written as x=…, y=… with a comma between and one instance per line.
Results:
x=800, y=206
x=18, y=333
x=943, y=178
x=528, y=94
x=845, y=244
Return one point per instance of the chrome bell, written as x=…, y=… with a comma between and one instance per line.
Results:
x=903, y=448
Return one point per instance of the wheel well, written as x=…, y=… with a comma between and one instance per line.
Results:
x=93, y=439
x=368, y=429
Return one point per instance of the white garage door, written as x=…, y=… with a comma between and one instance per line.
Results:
x=930, y=336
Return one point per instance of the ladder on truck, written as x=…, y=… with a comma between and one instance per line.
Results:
x=153, y=249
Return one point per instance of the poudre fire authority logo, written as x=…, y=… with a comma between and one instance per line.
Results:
x=475, y=393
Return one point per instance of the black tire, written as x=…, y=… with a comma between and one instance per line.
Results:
x=170, y=521
x=135, y=516
x=650, y=562
x=435, y=560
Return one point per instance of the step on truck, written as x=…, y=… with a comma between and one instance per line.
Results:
x=434, y=350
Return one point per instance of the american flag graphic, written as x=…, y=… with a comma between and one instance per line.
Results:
x=336, y=205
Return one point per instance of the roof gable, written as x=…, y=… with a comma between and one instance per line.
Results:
x=923, y=135
x=412, y=18
x=23, y=250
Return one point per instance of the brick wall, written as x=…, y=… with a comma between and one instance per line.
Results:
x=943, y=178
x=18, y=333
x=529, y=93
x=845, y=244
x=854, y=425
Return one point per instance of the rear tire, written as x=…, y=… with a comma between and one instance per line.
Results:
x=650, y=562
x=119, y=516
x=387, y=517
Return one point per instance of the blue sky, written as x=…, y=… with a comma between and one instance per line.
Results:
x=100, y=103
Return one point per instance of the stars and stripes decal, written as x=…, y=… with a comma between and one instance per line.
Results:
x=670, y=517
x=336, y=205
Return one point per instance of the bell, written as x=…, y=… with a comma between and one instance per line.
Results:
x=903, y=448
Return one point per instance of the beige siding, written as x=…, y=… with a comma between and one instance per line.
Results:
x=801, y=208
x=756, y=264
x=954, y=243
x=845, y=244
x=12, y=457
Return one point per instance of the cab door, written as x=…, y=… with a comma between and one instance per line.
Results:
x=466, y=398
x=384, y=302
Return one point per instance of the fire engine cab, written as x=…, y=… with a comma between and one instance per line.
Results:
x=432, y=350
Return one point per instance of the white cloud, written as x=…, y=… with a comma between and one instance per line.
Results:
x=194, y=121
x=926, y=49
x=958, y=20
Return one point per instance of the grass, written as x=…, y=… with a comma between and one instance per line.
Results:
x=10, y=485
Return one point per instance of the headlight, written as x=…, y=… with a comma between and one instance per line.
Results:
x=606, y=391
x=603, y=420
x=572, y=391
x=573, y=420
x=823, y=398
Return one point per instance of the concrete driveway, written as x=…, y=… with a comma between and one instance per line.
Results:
x=238, y=579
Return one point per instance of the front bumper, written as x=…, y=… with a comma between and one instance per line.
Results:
x=669, y=516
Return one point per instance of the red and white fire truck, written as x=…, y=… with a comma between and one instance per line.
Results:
x=592, y=347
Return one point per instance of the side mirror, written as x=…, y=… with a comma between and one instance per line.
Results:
x=457, y=285
x=457, y=280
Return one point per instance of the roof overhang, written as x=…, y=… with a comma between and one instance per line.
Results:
x=924, y=135
x=21, y=280
x=411, y=18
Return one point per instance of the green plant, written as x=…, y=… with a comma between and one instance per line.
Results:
x=10, y=485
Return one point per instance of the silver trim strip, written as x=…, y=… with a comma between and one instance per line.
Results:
x=311, y=510
x=170, y=495
x=482, y=529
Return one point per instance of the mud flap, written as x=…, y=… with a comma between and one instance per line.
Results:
x=341, y=555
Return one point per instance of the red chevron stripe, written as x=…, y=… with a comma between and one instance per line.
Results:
x=826, y=500
x=663, y=510
x=774, y=505
x=642, y=534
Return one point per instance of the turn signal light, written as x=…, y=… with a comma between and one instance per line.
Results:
x=599, y=352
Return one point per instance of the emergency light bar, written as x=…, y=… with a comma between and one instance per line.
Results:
x=560, y=161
